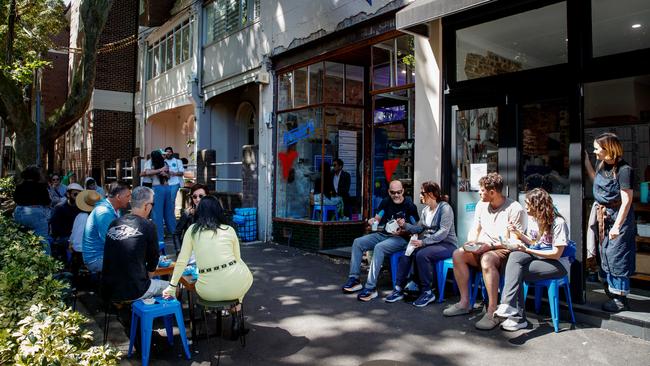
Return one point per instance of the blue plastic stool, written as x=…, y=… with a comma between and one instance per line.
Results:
x=478, y=282
x=553, y=297
x=325, y=210
x=146, y=314
x=442, y=267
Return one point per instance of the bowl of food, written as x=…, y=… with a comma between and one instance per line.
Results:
x=149, y=301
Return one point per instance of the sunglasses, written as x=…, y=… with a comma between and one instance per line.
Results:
x=395, y=193
x=198, y=196
x=55, y=179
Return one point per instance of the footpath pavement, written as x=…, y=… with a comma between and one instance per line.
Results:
x=297, y=315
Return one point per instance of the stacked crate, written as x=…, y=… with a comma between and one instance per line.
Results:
x=246, y=220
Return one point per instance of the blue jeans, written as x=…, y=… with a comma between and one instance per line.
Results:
x=424, y=259
x=163, y=210
x=382, y=245
x=96, y=266
x=35, y=218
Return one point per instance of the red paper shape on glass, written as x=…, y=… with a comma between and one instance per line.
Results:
x=389, y=168
x=287, y=159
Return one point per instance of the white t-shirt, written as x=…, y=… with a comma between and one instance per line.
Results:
x=146, y=179
x=155, y=181
x=494, y=223
x=559, y=238
x=77, y=236
x=175, y=166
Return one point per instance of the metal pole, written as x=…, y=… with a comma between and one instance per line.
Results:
x=2, y=146
x=38, y=117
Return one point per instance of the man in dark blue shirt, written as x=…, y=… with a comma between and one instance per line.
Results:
x=381, y=243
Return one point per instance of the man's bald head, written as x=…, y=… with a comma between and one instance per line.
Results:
x=396, y=191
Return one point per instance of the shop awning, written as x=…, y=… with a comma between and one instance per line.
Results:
x=415, y=16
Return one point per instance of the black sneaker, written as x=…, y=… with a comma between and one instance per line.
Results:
x=616, y=304
x=395, y=296
x=353, y=285
x=367, y=294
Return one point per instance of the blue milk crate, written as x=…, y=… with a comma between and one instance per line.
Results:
x=247, y=231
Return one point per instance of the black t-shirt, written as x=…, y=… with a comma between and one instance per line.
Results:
x=623, y=173
x=404, y=210
x=130, y=252
x=62, y=219
x=30, y=193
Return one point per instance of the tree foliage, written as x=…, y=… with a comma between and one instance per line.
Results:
x=23, y=50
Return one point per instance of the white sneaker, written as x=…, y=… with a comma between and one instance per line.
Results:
x=505, y=311
x=512, y=325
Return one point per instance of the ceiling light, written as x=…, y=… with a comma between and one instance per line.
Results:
x=636, y=26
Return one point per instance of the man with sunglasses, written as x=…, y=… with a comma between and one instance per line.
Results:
x=61, y=222
x=381, y=243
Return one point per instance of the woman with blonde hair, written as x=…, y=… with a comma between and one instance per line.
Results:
x=537, y=257
x=613, y=182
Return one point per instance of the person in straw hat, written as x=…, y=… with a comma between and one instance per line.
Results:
x=85, y=201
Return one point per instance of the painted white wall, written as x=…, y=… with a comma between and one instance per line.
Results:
x=288, y=20
x=169, y=90
x=164, y=129
x=428, y=106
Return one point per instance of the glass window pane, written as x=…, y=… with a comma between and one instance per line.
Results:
x=156, y=60
x=354, y=84
x=300, y=87
x=619, y=26
x=210, y=14
x=382, y=65
x=169, y=60
x=343, y=140
x=178, y=41
x=545, y=147
x=300, y=143
x=285, y=98
x=394, y=118
x=333, y=84
x=187, y=42
x=150, y=64
x=405, y=60
x=315, y=83
x=524, y=41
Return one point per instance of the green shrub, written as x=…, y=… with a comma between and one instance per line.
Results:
x=55, y=336
x=35, y=326
x=7, y=187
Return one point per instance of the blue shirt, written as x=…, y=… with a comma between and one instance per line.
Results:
x=95, y=231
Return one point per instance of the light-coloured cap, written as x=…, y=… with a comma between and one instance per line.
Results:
x=74, y=187
x=87, y=199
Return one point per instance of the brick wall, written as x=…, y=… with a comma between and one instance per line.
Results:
x=306, y=235
x=478, y=66
x=116, y=70
x=113, y=136
x=54, y=89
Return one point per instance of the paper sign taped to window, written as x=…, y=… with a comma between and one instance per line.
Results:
x=476, y=172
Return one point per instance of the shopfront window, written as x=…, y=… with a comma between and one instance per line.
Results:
x=393, y=144
x=619, y=26
x=393, y=63
x=319, y=138
x=524, y=41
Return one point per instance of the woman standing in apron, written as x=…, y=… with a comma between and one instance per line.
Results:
x=615, y=216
